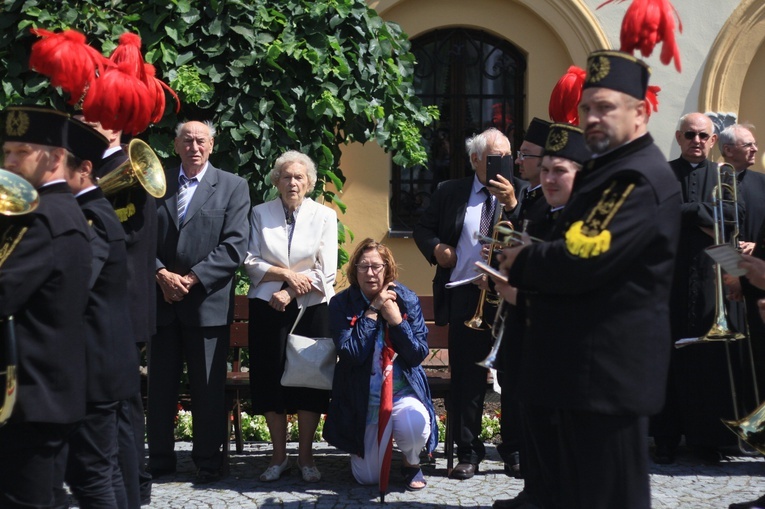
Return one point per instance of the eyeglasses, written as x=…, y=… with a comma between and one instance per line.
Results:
x=521, y=156
x=689, y=135
x=376, y=268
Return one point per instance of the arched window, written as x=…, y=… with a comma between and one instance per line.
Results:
x=477, y=81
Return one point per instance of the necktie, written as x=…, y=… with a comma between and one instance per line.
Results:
x=487, y=213
x=183, y=197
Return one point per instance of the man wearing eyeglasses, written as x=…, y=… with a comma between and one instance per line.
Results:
x=697, y=389
x=739, y=149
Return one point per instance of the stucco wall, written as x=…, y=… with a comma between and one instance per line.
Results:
x=554, y=34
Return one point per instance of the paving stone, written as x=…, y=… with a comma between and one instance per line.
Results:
x=685, y=484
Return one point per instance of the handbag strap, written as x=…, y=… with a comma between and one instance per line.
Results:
x=299, y=316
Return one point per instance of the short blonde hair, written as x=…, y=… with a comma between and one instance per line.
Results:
x=293, y=156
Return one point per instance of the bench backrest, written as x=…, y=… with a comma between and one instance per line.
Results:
x=438, y=335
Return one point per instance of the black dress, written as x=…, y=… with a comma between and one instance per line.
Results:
x=268, y=339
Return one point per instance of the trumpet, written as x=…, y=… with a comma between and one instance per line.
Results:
x=477, y=322
x=17, y=198
x=513, y=238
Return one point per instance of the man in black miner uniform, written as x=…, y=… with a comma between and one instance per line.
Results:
x=444, y=235
x=137, y=211
x=44, y=285
x=698, y=390
x=529, y=158
x=92, y=467
x=531, y=207
x=598, y=298
x=563, y=156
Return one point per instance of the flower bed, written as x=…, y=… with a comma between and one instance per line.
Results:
x=254, y=428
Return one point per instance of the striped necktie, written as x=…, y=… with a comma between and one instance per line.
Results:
x=184, y=195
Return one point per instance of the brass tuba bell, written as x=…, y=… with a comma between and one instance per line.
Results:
x=17, y=197
x=142, y=166
x=751, y=429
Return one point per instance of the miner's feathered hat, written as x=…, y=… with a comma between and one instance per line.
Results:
x=567, y=141
x=618, y=71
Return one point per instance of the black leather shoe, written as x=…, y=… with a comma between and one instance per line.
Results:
x=464, y=471
x=754, y=504
x=511, y=503
x=205, y=476
x=513, y=467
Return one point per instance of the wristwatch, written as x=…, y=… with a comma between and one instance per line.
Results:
x=374, y=309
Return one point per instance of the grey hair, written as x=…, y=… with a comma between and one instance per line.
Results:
x=293, y=156
x=729, y=135
x=477, y=144
x=207, y=123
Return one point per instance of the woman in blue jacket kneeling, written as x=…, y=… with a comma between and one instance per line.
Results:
x=374, y=307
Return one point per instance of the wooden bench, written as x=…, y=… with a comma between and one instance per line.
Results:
x=436, y=367
x=237, y=381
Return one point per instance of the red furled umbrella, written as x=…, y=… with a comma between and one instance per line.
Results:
x=384, y=426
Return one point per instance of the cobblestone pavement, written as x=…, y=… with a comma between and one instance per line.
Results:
x=686, y=484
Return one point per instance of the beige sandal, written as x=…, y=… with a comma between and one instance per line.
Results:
x=310, y=474
x=274, y=472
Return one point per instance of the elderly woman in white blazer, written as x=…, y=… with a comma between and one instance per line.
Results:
x=291, y=263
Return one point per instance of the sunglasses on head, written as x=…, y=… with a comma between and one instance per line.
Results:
x=689, y=135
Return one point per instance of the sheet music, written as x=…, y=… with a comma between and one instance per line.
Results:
x=728, y=258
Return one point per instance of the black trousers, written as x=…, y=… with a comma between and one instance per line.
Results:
x=131, y=435
x=468, y=380
x=205, y=350
x=28, y=469
x=539, y=453
x=127, y=453
x=92, y=469
x=603, y=461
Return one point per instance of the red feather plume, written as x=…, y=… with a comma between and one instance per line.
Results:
x=121, y=103
x=565, y=97
x=67, y=60
x=157, y=88
x=647, y=23
x=652, y=97
x=128, y=54
x=128, y=51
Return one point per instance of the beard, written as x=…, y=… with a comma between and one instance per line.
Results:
x=598, y=145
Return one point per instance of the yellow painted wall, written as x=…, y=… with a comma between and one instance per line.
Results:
x=752, y=109
x=552, y=37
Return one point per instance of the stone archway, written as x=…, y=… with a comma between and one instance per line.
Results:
x=731, y=56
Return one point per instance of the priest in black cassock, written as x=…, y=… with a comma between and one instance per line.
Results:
x=698, y=391
x=739, y=148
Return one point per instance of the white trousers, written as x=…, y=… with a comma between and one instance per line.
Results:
x=411, y=430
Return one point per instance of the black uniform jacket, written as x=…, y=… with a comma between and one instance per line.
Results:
x=442, y=223
x=112, y=360
x=137, y=211
x=44, y=285
x=598, y=291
